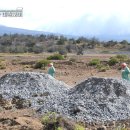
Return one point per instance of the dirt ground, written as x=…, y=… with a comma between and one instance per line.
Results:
x=24, y=119
x=71, y=73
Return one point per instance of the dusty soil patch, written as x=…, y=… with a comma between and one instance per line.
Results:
x=71, y=74
x=24, y=119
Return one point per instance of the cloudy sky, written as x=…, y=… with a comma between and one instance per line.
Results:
x=75, y=17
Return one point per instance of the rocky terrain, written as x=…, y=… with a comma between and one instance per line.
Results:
x=95, y=100
x=101, y=99
x=30, y=89
x=28, y=94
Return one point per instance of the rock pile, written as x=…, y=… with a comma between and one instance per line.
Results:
x=100, y=99
x=29, y=89
x=95, y=99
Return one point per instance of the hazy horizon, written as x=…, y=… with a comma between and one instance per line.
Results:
x=71, y=17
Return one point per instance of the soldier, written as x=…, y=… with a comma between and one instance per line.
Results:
x=125, y=71
x=51, y=70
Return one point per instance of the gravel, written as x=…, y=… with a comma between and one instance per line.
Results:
x=101, y=99
x=95, y=99
x=35, y=87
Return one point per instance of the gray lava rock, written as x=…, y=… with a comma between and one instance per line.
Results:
x=31, y=88
x=95, y=99
x=101, y=99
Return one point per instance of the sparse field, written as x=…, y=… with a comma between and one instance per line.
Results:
x=72, y=70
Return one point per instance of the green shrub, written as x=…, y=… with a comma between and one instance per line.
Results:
x=52, y=120
x=56, y=57
x=79, y=127
x=41, y=64
x=94, y=62
x=2, y=66
x=128, y=61
x=48, y=118
x=60, y=128
x=49, y=121
x=113, y=61
x=103, y=68
x=122, y=58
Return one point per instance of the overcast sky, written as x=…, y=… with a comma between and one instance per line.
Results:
x=76, y=17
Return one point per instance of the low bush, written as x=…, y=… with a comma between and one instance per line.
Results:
x=128, y=61
x=122, y=58
x=53, y=121
x=2, y=66
x=56, y=57
x=94, y=62
x=49, y=117
x=103, y=68
x=113, y=61
x=60, y=128
x=41, y=64
x=79, y=127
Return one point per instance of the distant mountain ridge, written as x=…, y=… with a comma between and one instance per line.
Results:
x=12, y=30
x=102, y=37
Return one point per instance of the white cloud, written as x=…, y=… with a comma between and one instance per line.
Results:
x=50, y=15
